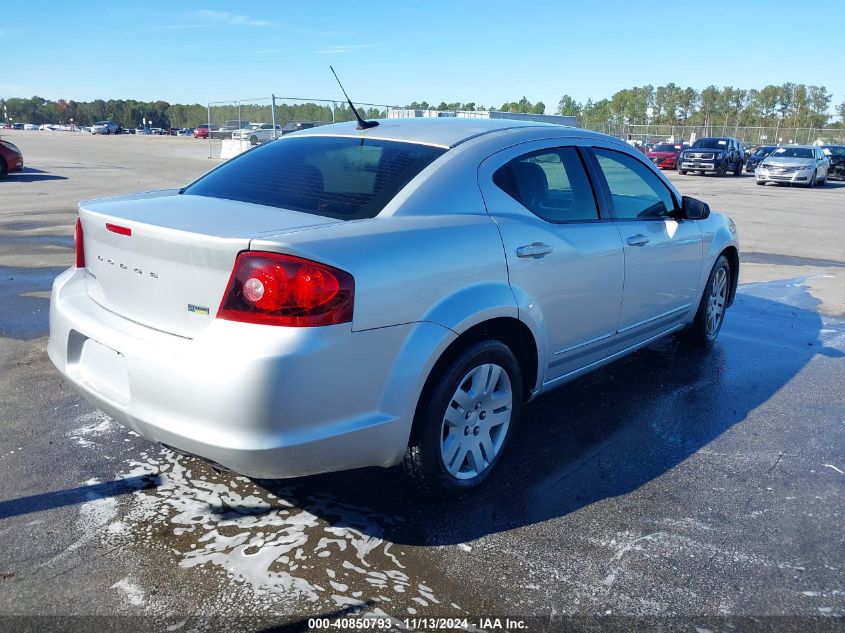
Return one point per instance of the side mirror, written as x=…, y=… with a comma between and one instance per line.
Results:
x=694, y=209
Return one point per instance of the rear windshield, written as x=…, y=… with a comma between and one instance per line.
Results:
x=344, y=178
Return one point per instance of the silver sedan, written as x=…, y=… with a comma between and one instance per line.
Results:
x=348, y=297
x=794, y=164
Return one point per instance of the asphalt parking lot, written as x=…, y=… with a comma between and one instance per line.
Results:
x=702, y=491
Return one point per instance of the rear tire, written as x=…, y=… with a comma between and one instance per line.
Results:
x=464, y=420
x=4, y=169
x=704, y=329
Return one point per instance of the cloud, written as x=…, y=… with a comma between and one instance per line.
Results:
x=207, y=18
x=229, y=19
x=267, y=51
x=341, y=49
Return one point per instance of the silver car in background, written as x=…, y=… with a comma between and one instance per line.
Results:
x=794, y=164
x=105, y=127
x=347, y=297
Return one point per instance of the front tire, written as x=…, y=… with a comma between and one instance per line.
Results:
x=4, y=169
x=253, y=140
x=812, y=183
x=721, y=170
x=683, y=172
x=464, y=420
x=711, y=311
x=738, y=170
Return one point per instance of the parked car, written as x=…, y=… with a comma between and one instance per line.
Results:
x=343, y=298
x=836, y=156
x=295, y=126
x=184, y=132
x=201, y=131
x=757, y=156
x=31, y=126
x=795, y=165
x=665, y=155
x=225, y=130
x=257, y=133
x=11, y=158
x=17, y=126
x=105, y=127
x=718, y=155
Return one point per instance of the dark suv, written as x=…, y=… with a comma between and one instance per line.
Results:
x=719, y=155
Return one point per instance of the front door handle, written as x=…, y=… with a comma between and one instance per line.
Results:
x=536, y=250
x=638, y=240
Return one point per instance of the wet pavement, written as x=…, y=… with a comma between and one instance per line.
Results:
x=673, y=490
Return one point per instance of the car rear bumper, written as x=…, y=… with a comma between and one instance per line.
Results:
x=263, y=401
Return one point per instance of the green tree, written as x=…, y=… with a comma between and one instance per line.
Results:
x=567, y=106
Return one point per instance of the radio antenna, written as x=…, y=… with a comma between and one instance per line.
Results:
x=362, y=124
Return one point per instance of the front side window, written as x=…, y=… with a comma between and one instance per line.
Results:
x=552, y=184
x=637, y=193
x=338, y=177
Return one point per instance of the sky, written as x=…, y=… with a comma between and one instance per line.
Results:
x=395, y=52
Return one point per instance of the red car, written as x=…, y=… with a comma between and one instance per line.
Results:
x=201, y=131
x=11, y=158
x=665, y=155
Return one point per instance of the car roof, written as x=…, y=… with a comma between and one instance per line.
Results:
x=798, y=145
x=440, y=132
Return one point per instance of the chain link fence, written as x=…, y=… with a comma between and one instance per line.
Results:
x=755, y=135
x=235, y=126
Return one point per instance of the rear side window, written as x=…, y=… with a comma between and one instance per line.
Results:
x=552, y=184
x=344, y=178
x=636, y=191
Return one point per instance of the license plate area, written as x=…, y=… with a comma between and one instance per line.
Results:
x=102, y=370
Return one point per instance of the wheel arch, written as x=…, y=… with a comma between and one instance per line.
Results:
x=510, y=331
x=732, y=253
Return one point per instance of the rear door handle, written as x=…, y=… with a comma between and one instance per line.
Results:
x=536, y=250
x=638, y=240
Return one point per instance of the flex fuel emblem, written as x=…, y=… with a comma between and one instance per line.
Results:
x=198, y=309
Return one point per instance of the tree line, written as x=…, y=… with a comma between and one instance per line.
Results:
x=523, y=105
x=793, y=105
x=130, y=113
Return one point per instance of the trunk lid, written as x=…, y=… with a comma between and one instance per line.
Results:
x=171, y=272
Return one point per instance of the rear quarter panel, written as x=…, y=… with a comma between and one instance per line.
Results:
x=447, y=269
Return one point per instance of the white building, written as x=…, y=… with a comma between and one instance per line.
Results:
x=401, y=113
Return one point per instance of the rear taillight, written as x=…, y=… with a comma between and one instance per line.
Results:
x=276, y=289
x=80, y=248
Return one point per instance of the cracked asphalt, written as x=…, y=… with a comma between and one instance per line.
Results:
x=673, y=490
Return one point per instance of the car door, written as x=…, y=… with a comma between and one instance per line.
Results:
x=663, y=254
x=565, y=261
